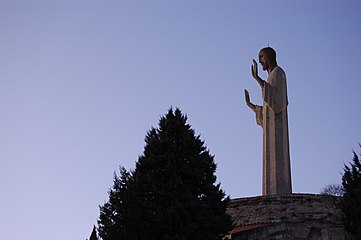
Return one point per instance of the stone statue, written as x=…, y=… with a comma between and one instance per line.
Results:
x=272, y=117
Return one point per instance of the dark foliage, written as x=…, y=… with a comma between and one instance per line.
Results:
x=172, y=193
x=93, y=235
x=351, y=201
x=114, y=213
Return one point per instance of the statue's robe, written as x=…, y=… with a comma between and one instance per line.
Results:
x=272, y=117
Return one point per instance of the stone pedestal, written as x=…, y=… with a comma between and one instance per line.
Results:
x=296, y=216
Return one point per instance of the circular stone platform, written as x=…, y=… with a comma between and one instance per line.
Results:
x=295, y=216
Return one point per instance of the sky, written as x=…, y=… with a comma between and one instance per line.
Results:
x=82, y=81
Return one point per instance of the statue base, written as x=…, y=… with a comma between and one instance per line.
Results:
x=295, y=216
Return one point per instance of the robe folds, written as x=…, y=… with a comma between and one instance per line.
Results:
x=272, y=117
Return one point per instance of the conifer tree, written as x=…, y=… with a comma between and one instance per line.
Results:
x=113, y=213
x=172, y=193
x=93, y=235
x=351, y=201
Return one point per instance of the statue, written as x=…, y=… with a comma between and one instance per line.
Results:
x=272, y=117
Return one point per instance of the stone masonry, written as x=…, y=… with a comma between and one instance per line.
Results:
x=296, y=216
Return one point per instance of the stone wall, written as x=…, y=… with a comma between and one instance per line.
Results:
x=296, y=216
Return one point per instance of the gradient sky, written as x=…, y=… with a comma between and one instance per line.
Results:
x=82, y=81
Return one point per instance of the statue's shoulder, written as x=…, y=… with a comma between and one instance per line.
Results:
x=278, y=71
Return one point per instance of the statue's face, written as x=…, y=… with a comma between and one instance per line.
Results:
x=263, y=60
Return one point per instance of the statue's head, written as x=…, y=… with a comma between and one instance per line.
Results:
x=267, y=58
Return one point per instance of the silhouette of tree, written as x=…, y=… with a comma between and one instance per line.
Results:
x=351, y=201
x=113, y=214
x=172, y=193
x=93, y=235
x=332, y=189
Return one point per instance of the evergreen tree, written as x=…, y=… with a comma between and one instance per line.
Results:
x=351, y=201
x=93, y=235
x=172, y=193
x=114, y=212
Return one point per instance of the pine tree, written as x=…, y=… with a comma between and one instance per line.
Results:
x=93, y=235
x=114, y=212
x=351, y=201
x=172, y=193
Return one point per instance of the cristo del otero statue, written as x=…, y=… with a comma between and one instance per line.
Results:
x=272, y=117
x=269, y=216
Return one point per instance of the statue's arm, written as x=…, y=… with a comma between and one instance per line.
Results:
x=248, y=101
x=258, y=110
x=254, y=71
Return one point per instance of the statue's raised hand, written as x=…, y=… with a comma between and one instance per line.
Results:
x=254, y=70
x=248, y=100
x=246, y=95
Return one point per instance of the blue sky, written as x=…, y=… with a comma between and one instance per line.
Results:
x=82, y=81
